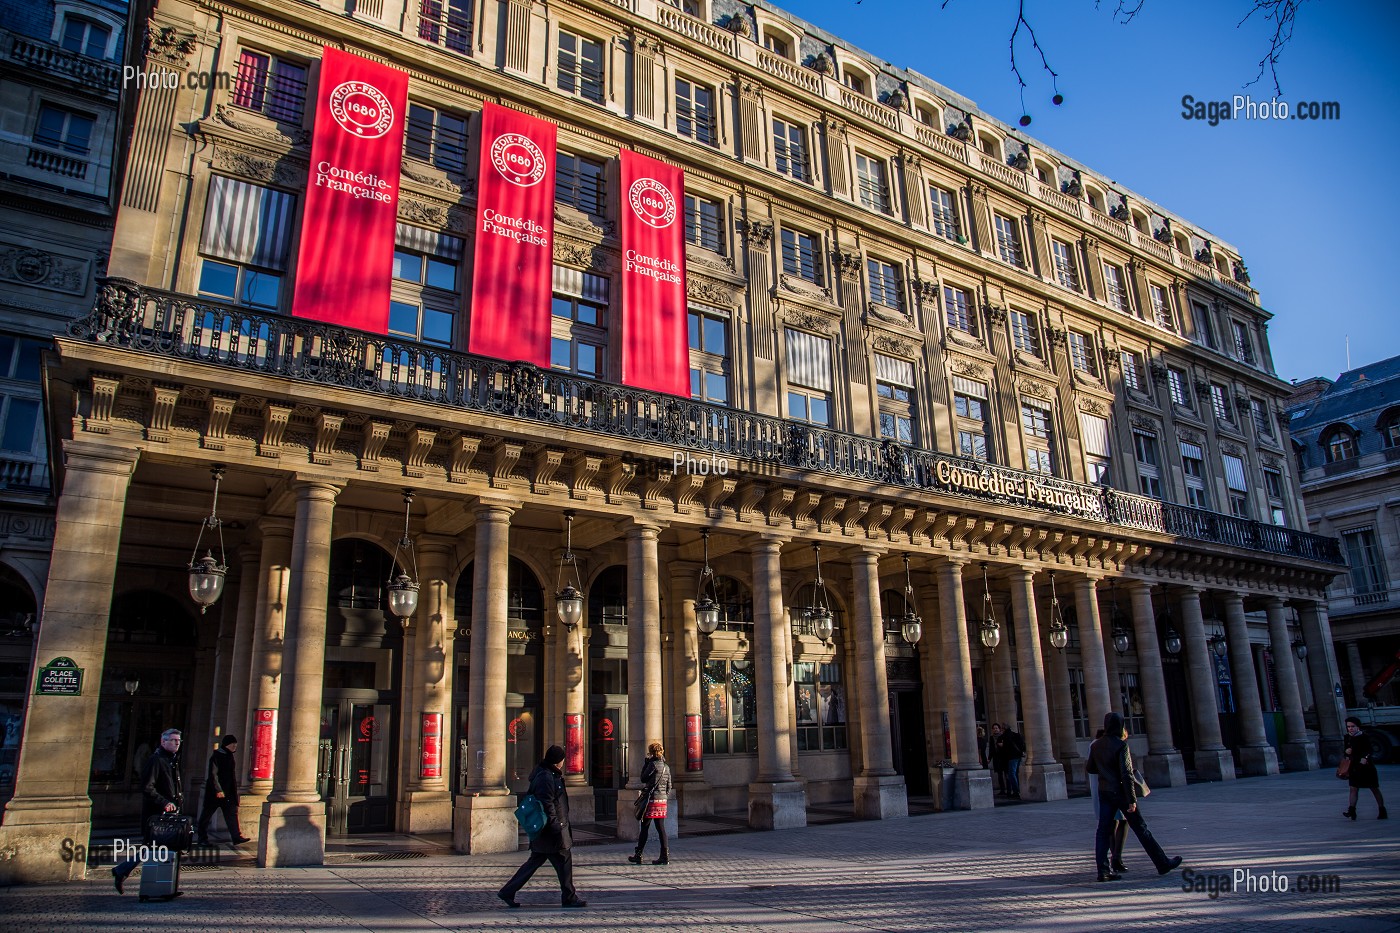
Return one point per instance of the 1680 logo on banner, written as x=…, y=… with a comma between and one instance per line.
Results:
x=652, y=202
x=361, y=109
x=518, y=159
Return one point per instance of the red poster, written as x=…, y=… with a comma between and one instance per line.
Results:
x=655, y=352
x=692, y=742
x=264, y=741
x=573, y=743
x=432, y=746
x=347, y=231
x=513, y=275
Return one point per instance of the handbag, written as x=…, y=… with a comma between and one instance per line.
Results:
x=172, y=830
x=1140, y=784
x=640, y=809
x=1344, y=768
x=531, y=816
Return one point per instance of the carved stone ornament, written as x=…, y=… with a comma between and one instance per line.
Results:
x=808, y=320
x=169, y=44
x=848, y=262
x=1038, y=389
x=1145, y=423
x=1058, y=335
x=268, y=168
x=42, y=269
x=1189, y=436
x=1093, y=406
x=431, y=177
x=573, y=254
x=995, y=313
x=1273, y=463
x=1234, y=450
x=962, y=338
x=710, y=291
x=927, y=291
x=893, y=345
x=739, y=25
x=886, y=313
x=968, y=368
x=258, y=126
x=800, y=286
x=422, y=213
x=822, y=64
x=758, y=233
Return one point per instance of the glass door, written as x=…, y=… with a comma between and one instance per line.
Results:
x=354, y=766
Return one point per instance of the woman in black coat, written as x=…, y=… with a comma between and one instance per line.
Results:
x=651, y=805
x=554, y=843
x=1363, y=771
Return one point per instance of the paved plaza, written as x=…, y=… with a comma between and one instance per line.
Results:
x=1020, y=867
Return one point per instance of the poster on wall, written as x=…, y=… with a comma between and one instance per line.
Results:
x=264, y=741
x=573, y=743
x=655, y=348
x=432, y=746
x=693, y=761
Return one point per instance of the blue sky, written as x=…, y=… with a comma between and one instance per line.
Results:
x=1312, y=206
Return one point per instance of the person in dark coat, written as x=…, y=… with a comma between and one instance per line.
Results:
x=1112, y=760
x=161, y=792
x=996, y=754
x=1363, y=771
x=221, y=792
x=554, y=843
x=651, y=805
x=1120, y=826
x=1015, y=747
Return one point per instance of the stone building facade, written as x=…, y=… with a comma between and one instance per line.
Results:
x=914, y=333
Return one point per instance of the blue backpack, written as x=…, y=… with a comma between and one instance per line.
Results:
x=531, y=816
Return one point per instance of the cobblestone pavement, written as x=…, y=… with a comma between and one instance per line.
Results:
x=1024, y=867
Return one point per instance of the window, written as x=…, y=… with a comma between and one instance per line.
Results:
x=709, y=355
x=855, y=82
x=270, y=85
x=1244, y=347
x=447, y=23
x=790, y=150
x=1066, y=272
x=1025, y=332
x=1390, y=431
x=689, y=7
x=961, y=315
x=702, y=223
x=820, y=699
x=970, y=407
x=925, y=115
x=245, y=242
x=778, y=45
x=1273, y=491
x=1082, y=355
x=1078, y=701
x=438, y=137
x=578, y=181
x=427, y=285
x=580, y=325
x=1132, y=705
x=731, y=707
x=85, y=37
x=1369, y=580
x=1148, y=463
x=1176, y=387
x=1263, y=421
x=1340, y=445
x=884, y=283
x=1161, y=307
x=695, y=112
x=1115, y=294
x=1132, y=369
x=944, y=217
x=808, y=377
x=1220, y=402
x=61, y=128
x=1035, y=423
x=1205, y=327
x=800, y=255
x=1236, y=486
x=872, y=183
x=1008, y=240
x=1097, y=456
x=894, y=387
x=1193, y=468
x=21, y=427
x=580, y=67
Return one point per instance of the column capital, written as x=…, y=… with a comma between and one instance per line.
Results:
x=771, y=541
x=300, y=481
x=99, y=458
x=486, y=508
x=1274, y=602
x=871, y=551
x=646, y=528
x=275, y=526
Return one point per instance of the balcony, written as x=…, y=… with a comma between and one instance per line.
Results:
x=173, y=326
x=34, y=55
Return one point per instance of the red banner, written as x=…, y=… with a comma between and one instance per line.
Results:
x=513, y=274
x=573, y=743
x=264, y=741
x=346, y=257
x=692, y=742
x=655, y=352
x=431, y=766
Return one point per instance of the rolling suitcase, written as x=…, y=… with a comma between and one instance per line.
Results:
x=160, y=878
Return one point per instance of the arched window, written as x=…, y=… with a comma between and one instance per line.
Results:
x=1389, y=427
x=1339, y=444
x=1300, y=457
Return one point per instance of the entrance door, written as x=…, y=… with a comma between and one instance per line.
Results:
x=910, y=745
x=607, y=754
x=1179, y=709
x=354, y=770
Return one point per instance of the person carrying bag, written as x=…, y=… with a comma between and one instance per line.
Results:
x=651, y=803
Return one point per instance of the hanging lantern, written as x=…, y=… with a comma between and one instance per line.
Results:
x=910, y=626
x=819, y=614
x=1059, y=632
x=568, y=600
x=207, y=575
x=403, y=589
x=990, y=631
x=707, y=609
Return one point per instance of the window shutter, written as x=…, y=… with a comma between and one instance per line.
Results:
x=427, y=241
x=808, y=360
x=1234, y=473
x=247, y=223
x=968, y=387
x=896, y=371
x=1095, y=431
x=1191, y=451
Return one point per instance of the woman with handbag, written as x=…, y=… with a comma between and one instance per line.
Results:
x=1112, y=761
x=1359, y=770
x=651, y=805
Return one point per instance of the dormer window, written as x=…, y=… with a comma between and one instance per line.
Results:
x=925, y=115
x=1095, y=200
x=779, y=45
x=990, y=145
x=856, y=81
x=1339, y=444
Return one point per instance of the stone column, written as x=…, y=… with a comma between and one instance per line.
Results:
x=483, y=819
x=1061, y=712
x=776, y=801
x=293, y=825
x=241, y=661
x=1162, y=766
x=1001, y=690
x=51, y=800
x=1042, y=777
x=1257, y=756
x=973, y=790
x=1097, y=689
x=1213, y=760
x=425, y=804
x=879, y=792
x=233, y=609
x=265, y=670
x=693, y=792
x=935, y=702
x=644, y=700
x=1356, y=671
x=573, y=662
x=1322, y=670
x=1296, y=751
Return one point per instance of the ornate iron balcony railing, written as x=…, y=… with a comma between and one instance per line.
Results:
x=168, y=324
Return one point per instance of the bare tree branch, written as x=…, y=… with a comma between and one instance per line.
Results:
x=1284, y=14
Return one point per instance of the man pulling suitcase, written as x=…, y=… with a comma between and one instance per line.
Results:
x=161, y=797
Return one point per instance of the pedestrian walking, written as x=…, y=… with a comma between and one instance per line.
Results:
x=1360, y=771
x=1015, y=751
x=996, y=754
x=221, y=792
x=161, y=792
x=554, y=843
x=651, y=805
x=1120, y=825
x=1112, y=760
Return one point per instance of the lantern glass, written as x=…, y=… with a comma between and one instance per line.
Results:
x=823, y=624
x=1173, y=642
x=991, y=634
x=206, y=581
x=706, y=615
x=1301, y=650
x=569, y=603
x=912, y=628
x=403, y=596
x=1059, y=636
x=1120, y=640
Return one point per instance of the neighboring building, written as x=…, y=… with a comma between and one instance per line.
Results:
x=1346, y=445
x=913, y=333
x=58, y=118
